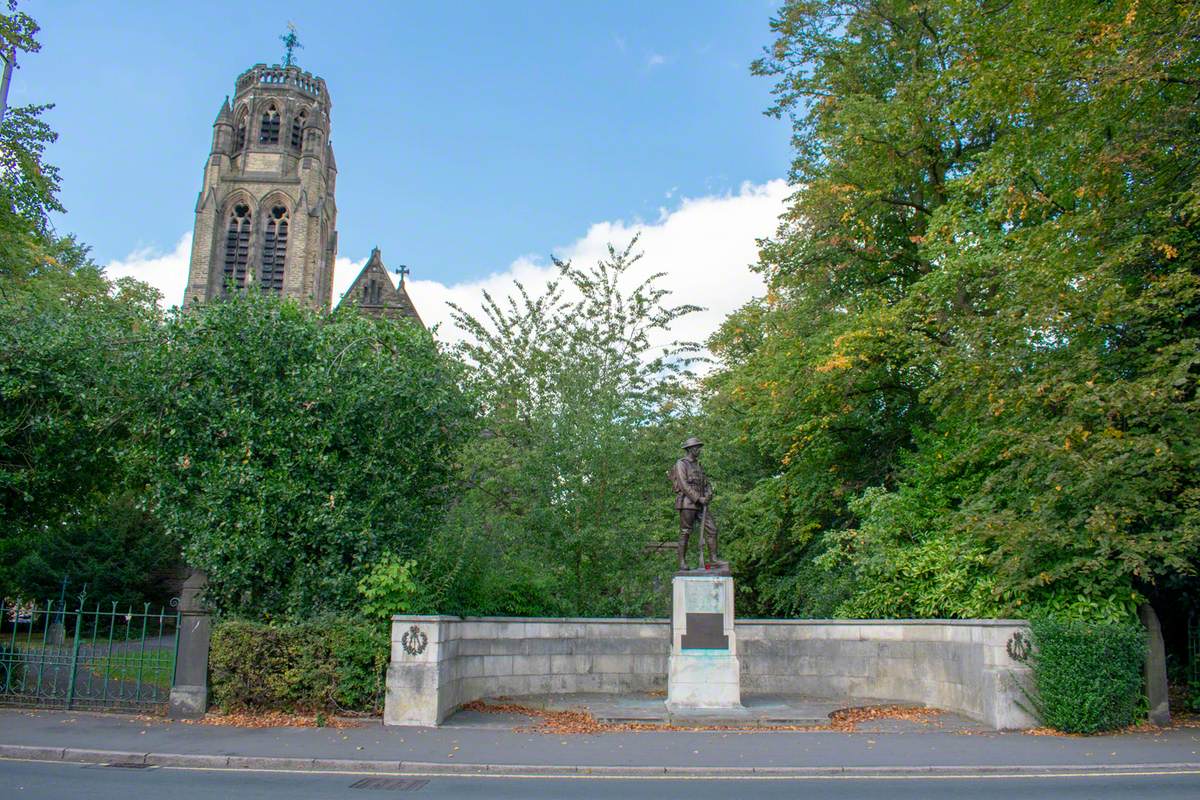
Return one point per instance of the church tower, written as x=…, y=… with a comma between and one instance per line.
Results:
x=266, y=216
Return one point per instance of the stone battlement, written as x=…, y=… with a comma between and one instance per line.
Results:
x=264, y=75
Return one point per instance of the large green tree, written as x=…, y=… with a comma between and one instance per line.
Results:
x=289, y=450
x=972, y=384
x=69, y=340
x=584, y=410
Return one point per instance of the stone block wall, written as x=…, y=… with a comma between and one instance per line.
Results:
x=439, y=663
x=956, y=665
x=467, y=659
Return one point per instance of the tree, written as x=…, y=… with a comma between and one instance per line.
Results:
x=28, y=185
x=70, y=344
x=288, y=451
x=971, y=386
x=584, y=410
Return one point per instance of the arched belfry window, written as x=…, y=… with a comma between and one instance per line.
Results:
x=298, y=129
x=240, y=134
x=274, y=252
x=268, y=131
x=237, y=248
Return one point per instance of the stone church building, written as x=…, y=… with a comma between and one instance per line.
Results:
x=266, y=216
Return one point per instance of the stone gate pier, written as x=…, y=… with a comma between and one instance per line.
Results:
x=438, y=663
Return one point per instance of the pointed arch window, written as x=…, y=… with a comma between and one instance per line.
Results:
x=298, y=129
x=274, y=252
x=268, y=131
x=239, y=140
x=237, y=248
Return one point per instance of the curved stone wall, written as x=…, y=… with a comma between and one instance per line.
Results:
x=439, y=662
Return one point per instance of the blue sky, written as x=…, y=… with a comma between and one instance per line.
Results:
x=469, y=136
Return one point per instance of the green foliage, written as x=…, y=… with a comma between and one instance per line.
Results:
x=289, y=451
x=1088, y=676
x=70, y=343
x=971, y=387
x=28, y=185
x=584, y=408
x=388, y=587
x=330, y=663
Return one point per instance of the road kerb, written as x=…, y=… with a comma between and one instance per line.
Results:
x=294, y=764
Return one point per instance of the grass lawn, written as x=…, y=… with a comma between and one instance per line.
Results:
x=156, y=665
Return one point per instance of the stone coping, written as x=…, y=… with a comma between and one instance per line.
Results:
x=605, y=620
x=973, y=623
x=987, y=623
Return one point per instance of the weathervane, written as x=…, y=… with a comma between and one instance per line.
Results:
x=291, y=42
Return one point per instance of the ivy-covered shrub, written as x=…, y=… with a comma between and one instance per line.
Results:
x=332, y=663
x=1088, y=676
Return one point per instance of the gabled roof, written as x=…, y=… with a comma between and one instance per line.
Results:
x=374, y=292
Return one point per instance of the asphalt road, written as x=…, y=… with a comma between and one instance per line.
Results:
x=20, y=779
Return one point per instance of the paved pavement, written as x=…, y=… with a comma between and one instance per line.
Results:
x=496, y=748
x=759, y=710
x=53, y=781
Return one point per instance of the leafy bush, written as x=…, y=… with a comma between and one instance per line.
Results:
x=332, y=663
x=388, y=588
x=1088, y=675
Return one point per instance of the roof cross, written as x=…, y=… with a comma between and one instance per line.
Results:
x=402, y=271
x=291, y=43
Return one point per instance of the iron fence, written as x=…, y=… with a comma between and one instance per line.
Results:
x=90, y=658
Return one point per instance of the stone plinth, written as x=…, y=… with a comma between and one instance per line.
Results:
x=189, y=694
x=704, y=672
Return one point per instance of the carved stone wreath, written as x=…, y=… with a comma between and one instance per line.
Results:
x=1019, y=647
x=414, y=641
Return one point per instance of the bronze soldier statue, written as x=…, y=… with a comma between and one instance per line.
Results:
x=693, y=493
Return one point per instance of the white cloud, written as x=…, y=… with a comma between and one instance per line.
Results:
x=345, y=271
x=656, y=59
x=704, y=245
x=165, y=271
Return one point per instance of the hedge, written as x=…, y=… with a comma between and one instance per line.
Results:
x=1088, y=676
x=332, y=663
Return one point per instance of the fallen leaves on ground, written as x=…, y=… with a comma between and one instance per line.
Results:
x=1178, y=721
x=271, y=719
x=549, y=721
x=843, y=720
x=849, y=718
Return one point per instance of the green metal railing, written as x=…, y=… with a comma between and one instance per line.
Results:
x=91, y=658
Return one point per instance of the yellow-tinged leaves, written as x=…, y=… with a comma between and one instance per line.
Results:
x=1131, y=15
x=835, y=362
x=1169, y=252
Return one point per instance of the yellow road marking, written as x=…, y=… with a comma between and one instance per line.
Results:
x=666, y=777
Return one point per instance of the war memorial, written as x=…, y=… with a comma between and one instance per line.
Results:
x=703, y=664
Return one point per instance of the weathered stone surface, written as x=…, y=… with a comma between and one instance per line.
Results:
x=189, y=694
x=960, y=666
x=251, y=170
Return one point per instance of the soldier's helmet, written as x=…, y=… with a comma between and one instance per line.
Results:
x=692, y=442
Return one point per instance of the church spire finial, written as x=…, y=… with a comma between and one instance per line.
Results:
x=291, y=43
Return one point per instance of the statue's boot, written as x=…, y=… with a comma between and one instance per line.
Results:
x=683, y=543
